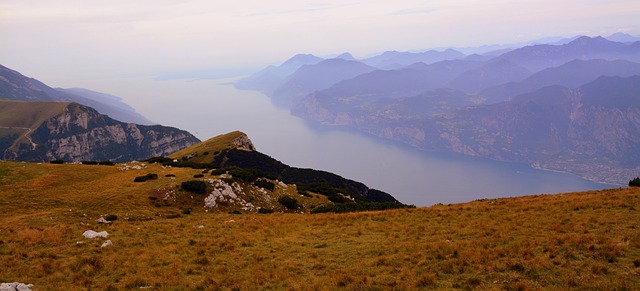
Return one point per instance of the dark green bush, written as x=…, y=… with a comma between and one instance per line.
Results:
x=169, y=175
x=111, y=217
x=265, y=210
x=198, y=175
x=216, y=172
x=106, y=163
x=186, y=211
x=235, y=212
x=89, y=162
x=635, y=182
x=265, y=184
x=360, y=206
x=145, y=178
x=195, y=186
x=57, y=162
x=288, y=202
x=243, y=174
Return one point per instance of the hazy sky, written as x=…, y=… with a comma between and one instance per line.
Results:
x=63, y=41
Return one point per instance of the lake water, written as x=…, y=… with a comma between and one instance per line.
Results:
x=208, y=108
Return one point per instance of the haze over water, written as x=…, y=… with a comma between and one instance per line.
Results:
x=208, y=108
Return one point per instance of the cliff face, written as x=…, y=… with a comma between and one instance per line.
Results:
x=81, y=133
x=591, y=131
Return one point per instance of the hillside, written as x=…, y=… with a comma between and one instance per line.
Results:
x=44, y=131
x=15, y=86
x=235, y=149
x=568, y=241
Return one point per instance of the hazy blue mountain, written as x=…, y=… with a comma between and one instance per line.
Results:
x=412, y=80
x=623, y=37
x=310, y=78
x=346, y=56
x=558, y=128
x=591, y=131
x=571, y=75
x=494, y=72
x=538, y=57
x=271, y=77
x=15, y=86
x=394, y=59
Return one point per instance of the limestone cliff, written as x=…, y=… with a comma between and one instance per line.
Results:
x=80, y=133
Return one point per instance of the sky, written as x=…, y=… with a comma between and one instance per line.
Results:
x=65, y=42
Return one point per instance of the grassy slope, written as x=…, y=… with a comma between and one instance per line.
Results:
x=576, y=240
x=28, y=114
x=210, y=147
x=19, y=116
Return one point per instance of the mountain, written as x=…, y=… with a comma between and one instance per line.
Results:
x=15, y=86
x=395, y=59
x=623, y=37
x=235, y=149
x=165, y=237
x=571, y=74
x=412, y=80
x=538, y=57
x=270, y=78
x=310, y=78
x=44, y=131
x=106, y=104
x=494, y=72
x=591, y=131
x=346, y=57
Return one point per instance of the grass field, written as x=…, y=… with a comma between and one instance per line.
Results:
x=578, y=241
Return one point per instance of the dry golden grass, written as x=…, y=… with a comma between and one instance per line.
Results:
x=578, y=241
x=205, y=151
x=28, y=114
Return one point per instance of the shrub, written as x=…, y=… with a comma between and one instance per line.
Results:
x=57, y=162
x=360, y=206
x=111, y=217
x=106, y=163
x=205, y=171
x=288, y=202
x=265, y=210
x=635, y=182
x=243, y=174
x=195, y=186
x=186, y=211
x=170, y=175
x=145, y=178
x=216, y=172
x=265, y=184
x=89, y=162
x=198, y=175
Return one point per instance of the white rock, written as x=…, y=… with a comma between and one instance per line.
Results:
x=107, y=243
x=15, y=286
x=93, y=234
x=102, y=220
x=200, y=226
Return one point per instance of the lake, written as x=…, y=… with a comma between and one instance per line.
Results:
x=208, y=108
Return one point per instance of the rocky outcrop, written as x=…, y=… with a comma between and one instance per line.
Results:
x=591, y=131
x=81, y=133
x=243, y=142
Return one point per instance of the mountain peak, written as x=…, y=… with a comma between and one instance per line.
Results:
x=346, y=56
x=205, y=151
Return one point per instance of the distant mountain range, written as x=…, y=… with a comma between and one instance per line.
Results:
x=15, y=86
x=34, y=128
x=454, y=102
